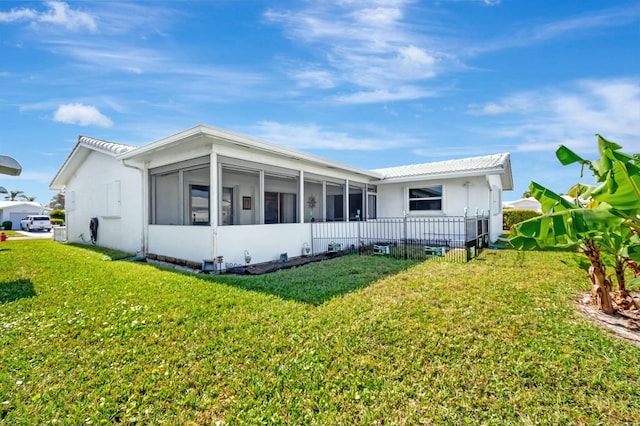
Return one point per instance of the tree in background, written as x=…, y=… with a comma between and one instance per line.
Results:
x=13, y=195
x=57, y=202
x=603, y=220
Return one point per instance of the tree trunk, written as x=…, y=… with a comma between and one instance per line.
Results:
x=622, y=297
x=600, y=286
x=621, y=286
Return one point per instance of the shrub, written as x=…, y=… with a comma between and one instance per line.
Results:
x=57, y=222
x=511, y=217
x=57, y=214
x=6, y=225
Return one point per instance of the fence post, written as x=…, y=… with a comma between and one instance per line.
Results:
x=313, y=252
x=358, y=245
x=405, y=235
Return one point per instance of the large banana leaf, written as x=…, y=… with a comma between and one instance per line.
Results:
x=618, y=174
x=621, y=188
x=610, y=215
x=549, y=200
x=564, y=228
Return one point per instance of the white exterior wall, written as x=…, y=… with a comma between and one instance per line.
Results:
x=264, y=243
x=105, y=189
x=483, y=193
x=472, y=193
x=194, y=243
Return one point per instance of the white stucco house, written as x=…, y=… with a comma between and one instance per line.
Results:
x=14, y=211
x=208, y=192
x=529, y=203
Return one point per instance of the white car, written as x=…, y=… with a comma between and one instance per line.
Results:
x=32, y=223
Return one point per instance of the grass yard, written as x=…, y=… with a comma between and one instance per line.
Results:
x=354, y=340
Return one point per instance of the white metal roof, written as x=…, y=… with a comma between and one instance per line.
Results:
x=450, y=166
x=487, y=164
x=105, y=146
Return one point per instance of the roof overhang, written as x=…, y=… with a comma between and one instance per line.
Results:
x=203, y=135
x=507, y=182
x=79, y=153
x=503, y=170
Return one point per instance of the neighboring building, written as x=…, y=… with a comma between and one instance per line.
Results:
x=206, y=192
x=529, y=203
x=14, y=211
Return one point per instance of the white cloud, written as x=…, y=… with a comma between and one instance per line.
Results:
x=84, y=115
x=59, y=14
x=379, y=16
x=369, y=45
x=517, y=103
x=576, y=25
x=488, y=109
x=570, y=115
x=311, y=136
x=384, y=95
x=314, y=78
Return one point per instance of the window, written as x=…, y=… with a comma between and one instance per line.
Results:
x=425, y=199
x=280, y=199
x=238, y=184
x=179, y=193
x=313, y=201
x=371, y=206
x=279, y=207
x=165, y=195
x=372, y=202
x=199, y=205
x=356, y=205
x=335, y=203
x=227, y=206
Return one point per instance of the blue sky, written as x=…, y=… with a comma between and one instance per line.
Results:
x=369, y=83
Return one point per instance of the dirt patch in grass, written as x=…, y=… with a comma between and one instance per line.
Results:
x=624, y=325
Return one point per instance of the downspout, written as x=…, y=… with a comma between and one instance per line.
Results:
x=145, y=203
x=215, y=178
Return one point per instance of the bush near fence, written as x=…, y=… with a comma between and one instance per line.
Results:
x=513, y=216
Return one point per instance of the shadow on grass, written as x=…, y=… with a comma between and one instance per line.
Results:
x=318, y=282
x=16, y=290
x=110, y=253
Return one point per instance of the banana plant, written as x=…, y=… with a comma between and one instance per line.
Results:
x=603, y=218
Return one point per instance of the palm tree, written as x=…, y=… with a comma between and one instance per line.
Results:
x=27, y=198
x=13, y=195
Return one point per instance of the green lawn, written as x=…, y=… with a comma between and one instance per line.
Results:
x=84, y=339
